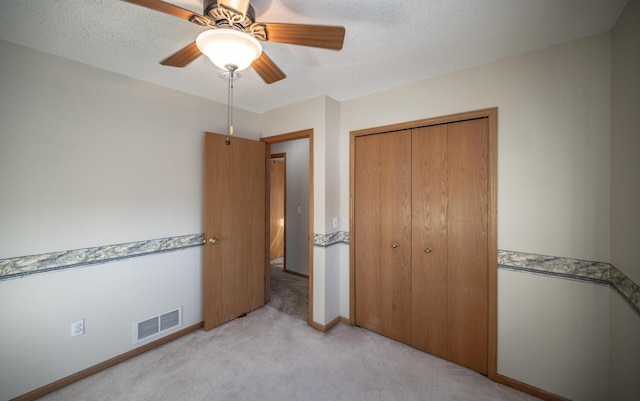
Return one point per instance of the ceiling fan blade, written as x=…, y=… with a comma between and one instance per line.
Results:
x=323, y=36
x=183, y=56
x=267, y=69
x=167, y=8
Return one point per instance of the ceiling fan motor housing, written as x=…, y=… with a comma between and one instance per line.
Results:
x=211, y=10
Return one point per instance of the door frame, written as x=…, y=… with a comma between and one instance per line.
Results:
x=292, y=136
x=492, y=194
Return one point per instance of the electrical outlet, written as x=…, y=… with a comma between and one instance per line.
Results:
x=77, y=328
x=335, y=222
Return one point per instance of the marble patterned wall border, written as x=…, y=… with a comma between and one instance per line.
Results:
x=25, y=265
x=325, y=240
x=576, y=269
x=551, y=265
x=595, y=272
x=627, y=289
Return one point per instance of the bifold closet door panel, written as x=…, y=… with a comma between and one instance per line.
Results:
x=366, y=242
x=468, y=243
x=421, y=238
x=429, y=237
x=395, y=235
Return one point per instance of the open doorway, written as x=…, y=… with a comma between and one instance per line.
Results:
x=290, y=220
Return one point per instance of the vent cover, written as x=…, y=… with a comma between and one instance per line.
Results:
x=158, y=324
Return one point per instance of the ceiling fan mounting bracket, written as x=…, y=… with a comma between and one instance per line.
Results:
x=225, y=17
x=219, y=16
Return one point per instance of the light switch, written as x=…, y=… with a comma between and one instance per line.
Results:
x=299, y=210
x=335, y=222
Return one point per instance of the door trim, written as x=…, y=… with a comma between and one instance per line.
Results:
x=292, y=136
x=492, y=115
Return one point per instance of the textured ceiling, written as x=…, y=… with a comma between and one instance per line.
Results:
x=387, y=43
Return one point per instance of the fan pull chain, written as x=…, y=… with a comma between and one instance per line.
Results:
x=232, y=69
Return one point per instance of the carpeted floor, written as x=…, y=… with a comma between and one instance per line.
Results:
x=289, y=293
x=272, y=354
x=268, y=355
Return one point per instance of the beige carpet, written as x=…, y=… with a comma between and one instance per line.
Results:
x=289, y=293
x=269, y=355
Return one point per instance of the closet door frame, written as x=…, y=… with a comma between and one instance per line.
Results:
x=492, y=116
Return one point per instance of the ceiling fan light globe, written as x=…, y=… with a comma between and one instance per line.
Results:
x=227, y=46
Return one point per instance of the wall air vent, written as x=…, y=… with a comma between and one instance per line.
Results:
x=155, y=325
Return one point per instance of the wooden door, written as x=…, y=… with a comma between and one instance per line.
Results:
x=234, y=223
x=383, y=222
x=450, y=242
x=467, y=242
x=395, y=236
x=277, y=216
x=429, y=238
x=453, y=235
x=366, y=217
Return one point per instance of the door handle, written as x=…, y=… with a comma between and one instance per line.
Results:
x=394, y=245
x=428, y=250
x=213, y=241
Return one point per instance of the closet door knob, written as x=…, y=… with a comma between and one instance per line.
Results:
x=213, y=241
x=428, y=250
x=394, y=245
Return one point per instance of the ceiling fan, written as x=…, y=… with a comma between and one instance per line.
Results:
x=235, y=30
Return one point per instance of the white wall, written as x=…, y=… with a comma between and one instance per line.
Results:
x=321, y=114
x=560, y=347
x=625, y=142
x=309, y=114
x=91, y=158
x=333, y=165
x=624, y=375
x=553, y=189
x=297, y=195
x=625, y=198
x=300, y=116
x=334, y=257
x=37, y=348
x=553, y=140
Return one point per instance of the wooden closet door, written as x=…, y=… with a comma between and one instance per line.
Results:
x=450, y=242
x=429, y=237
x=382, y=213
x=366, y=212
x=395, y=237
x=467, y=235
x=436, y=197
